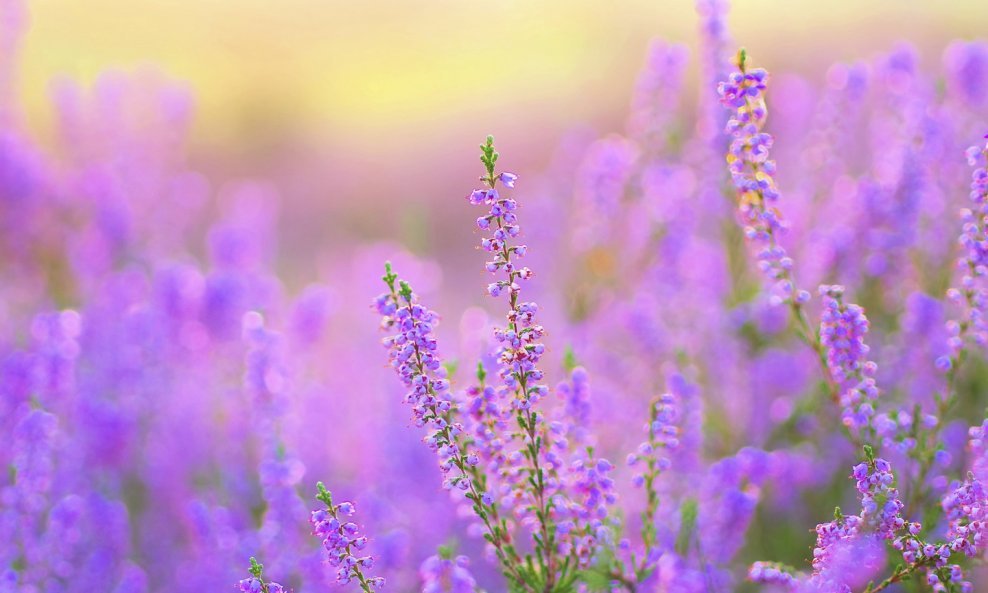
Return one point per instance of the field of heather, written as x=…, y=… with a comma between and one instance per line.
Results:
x=490, y=297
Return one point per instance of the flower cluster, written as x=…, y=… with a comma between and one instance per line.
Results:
x=341, y=538
x=520, y=346
x=444, y=574
x=583, y=521
x=485, y=426
x=848, y=550
x=663, y=438
x=652, y=459
x=978, y=445
x=880, y=505
x=412, y=351
x=753, y=174
x=966, y=509
x=972, y=293
x=531, y=474
x=843, y=329
x=256, y=584
x=772, y=573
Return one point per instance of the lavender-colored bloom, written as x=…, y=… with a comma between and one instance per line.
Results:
x=574, y=414
x=972, y=293
x=714, y=57
x=967, y=71
x=843, y=329
x=849, y=550
x=753, y=174
x=978, y=445
x=413, y=353
x=770, y=573
x=256, y=584
x=880, y=505
x=442, y=574
x=485, y=427
x=652, y=115
x=584, y=523
x=341, y=540
x=653, y=455
x=601, y=184
x=520, y=350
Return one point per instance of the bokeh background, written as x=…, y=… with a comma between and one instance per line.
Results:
x=364, y=114
x=166, y=167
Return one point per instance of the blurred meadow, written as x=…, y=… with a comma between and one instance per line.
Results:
x=196, y=200
x=359, y=112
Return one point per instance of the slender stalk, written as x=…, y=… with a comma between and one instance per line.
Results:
x=496, y=534
x=528, y=421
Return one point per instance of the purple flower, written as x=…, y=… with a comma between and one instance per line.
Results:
x=413, y=353
x=442, y=574
x=843, y=329
x=256, y=584
x=341, y=539
x=972, y=292
x=770, y=573
x=967, y=71
x=753, y=174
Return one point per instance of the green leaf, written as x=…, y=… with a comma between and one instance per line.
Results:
x=687, y=525
x=569, y=359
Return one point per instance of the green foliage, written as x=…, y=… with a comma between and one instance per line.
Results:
x=687, y=525
x=324, y=495
x=489, y=158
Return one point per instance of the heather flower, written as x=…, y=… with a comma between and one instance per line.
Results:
x=978, y=445
x=57, y=337
x=141, y=431
x=582, y=520
x=843, y=329
x=580, y=483
x=714, y=37
x=771, y=573
x=485, y=425
x=444, y=574
x=663, y=437
x=972, y=293
x=726, y=503
x=280, y=471
x=519, y=352
x=660, y=79
x=650, y=460
x=753, y=174
x=967, y=71
x=880, y=505
x=256, y=584
x=602, y=180
x=342, y=541
x=574, y=414
x=413, y=353
x=849, y=550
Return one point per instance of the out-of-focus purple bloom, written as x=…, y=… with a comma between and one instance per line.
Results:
x=972, y=292
x=441, y=574
x=843, y=329
x=770, y=573
x=966, y=63
x=753, y=174
x=256, y=584
x=652, y=117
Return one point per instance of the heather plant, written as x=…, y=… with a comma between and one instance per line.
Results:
x=675, y=368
